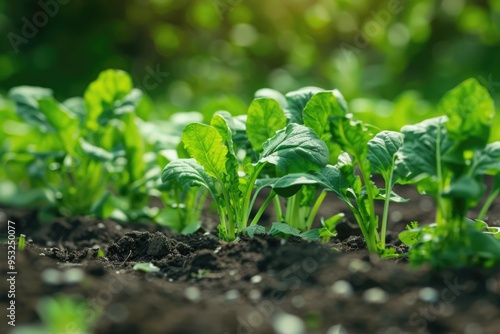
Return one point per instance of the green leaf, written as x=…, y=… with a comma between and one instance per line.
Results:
x=253, y=230
x=411, y=237
x=311, y=235
x=487, y=161
x=264, y=119
x=382, y=151
x=296, y=102
x=103, y=94
x=465, y=187
x=188, y=173
x=146, y=267
x=26, y=99
x=272, y=94
x=295, y=149
x=423, y=143
x=95, y=152
x=205, y=144
x=470, y=110
x=282, y=228
x=352, y=136
x=394, y=197
x=321, y=107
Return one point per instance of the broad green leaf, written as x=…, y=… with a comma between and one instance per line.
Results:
x=351, y=136
x=102, y=94
x=63, y=123
x=320, y=108
x=470, y=110
x=272, y=94
x=282, y=228
x=296, y=102
x=295, y=149
x=134, y=148
x=253, y=230
x=487, y=161
x=264, y=119
x=330, y=178
x=188, y=173
x=394, y=197
x=26, y=99
x=206, y=146
x=95, y=152
x=311, y=235
x=465, y=187
x=423, y=143
x=382, y=151
x=411, y=237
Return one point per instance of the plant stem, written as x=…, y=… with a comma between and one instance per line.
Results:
x=277, y=208
x=315, y=209
x=262, y=209
x=491, y=197
x=386, y=210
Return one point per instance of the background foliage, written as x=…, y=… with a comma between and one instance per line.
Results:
x=219, y=49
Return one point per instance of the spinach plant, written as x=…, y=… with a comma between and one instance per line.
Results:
x=91, y=157
x=214, y=165
x=447, y=158
x=325, y=112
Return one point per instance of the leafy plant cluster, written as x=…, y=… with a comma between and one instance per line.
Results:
x=101, y=154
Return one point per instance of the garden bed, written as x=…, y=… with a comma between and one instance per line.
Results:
x=259, y=285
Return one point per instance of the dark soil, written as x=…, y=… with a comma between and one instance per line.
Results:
x=260, y=285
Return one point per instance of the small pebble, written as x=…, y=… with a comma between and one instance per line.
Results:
x=396, y=216
x=42, y=254
x=428, y=295
x=217, y=250
x=375, y=296
x=298, y=301
x=193, y=294
x=52, y=276
x=73, y=276
x=101, y=225
x=282, y=242
x=357, y=265
x=342, y=288
x=285, y=323
x=254, y=294
x=256, y=279
x=232, y=295
x=118, y=227
x=337, y=329
x=232, y=272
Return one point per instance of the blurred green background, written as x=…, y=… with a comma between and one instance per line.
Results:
x=210, y=53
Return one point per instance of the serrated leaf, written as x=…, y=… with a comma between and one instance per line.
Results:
x=265, y=118
x=206, y=146
x=295, y=149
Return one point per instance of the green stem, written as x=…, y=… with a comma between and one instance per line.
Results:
x=386, y=211
x=315, y=209
x=262, y=209
x=248, y=195
x=277, y=208
x=491, y=197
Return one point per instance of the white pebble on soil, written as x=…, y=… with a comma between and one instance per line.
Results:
x=285, y=323
x=256, y=279
x=193, y=294
x=375, y=296
x=232, y=295
x=428, y=295
x=342, y=288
